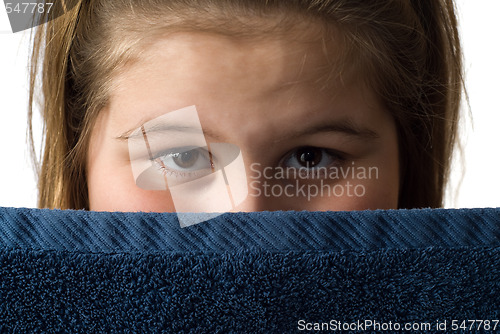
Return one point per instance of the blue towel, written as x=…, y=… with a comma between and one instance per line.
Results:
x=264, y=272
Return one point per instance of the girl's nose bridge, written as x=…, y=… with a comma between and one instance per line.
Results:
x=260, y=179
x=241, y=178
x=251, y=204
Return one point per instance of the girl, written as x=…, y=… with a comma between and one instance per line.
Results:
x=321, y=104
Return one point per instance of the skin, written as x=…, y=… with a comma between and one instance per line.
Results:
x=267, y=97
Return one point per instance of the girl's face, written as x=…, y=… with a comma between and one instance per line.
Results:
x=311, y=137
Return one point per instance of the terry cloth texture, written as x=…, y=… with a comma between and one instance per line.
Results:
x=265, y=272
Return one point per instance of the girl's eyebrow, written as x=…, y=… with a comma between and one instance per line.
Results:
x=165, y=128
x=345, y=127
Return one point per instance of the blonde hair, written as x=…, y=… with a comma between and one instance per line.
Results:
x=409, y=49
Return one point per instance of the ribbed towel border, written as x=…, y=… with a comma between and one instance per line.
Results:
x=270, y=231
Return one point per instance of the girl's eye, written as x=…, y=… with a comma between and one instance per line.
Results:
x=185, y=162
x=311, y=157
x=187, y=159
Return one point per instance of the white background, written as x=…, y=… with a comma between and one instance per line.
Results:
x=481, y=178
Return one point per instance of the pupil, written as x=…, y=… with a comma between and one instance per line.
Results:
x=309, y=157
x=186, y=159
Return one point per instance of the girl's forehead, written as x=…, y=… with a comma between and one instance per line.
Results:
x=245, y=83
x=263, y=64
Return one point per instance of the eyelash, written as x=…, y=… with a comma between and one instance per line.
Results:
x=169, y=172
